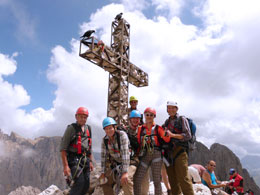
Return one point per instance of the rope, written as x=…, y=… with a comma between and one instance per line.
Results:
x=116, y=177
x=149, y=146
x=75, y=176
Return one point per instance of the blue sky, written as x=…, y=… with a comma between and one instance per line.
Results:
x=202, y=54
x=49, y=23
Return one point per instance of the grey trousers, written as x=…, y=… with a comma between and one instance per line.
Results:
x=155, y=161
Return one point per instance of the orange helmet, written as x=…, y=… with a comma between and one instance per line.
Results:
x=82, y=110
x=151, y=110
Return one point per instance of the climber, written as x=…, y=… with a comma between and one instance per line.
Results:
x=149, y=151
x=134, y=121
x=177, y=127
x=193, y=175
x=200, y=168
x=237, y=185
x=133, y=101
x=209, y=179
x=76, y=153
x=115, y=159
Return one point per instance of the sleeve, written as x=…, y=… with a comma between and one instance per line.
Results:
x=165, y=123
x=103, y=156
x=124, y=150
x=186, y=132
x=65, y=141
x=161, y=132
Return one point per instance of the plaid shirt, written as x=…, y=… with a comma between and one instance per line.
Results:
x=185, y=126
x=120, y=156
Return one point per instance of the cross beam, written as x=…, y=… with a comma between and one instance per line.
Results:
x=115, y=60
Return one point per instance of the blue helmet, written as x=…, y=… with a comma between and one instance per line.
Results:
x=135, y=114
x=108, y=121
x=232, y=171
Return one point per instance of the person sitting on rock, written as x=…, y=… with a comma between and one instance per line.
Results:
x=193, y=175
x=115, y=159
x=210, y=180
x=237, y=183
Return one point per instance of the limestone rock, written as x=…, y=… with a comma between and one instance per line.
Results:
x=25, y=190
x=52, y=190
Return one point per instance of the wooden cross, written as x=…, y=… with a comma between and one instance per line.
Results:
x=115, y=60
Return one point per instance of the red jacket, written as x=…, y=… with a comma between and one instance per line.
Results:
x=238, y=182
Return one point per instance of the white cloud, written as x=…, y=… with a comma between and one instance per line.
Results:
x=211, y=71
x=172, y=6
x=8, y=64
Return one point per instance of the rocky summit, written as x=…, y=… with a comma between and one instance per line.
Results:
x=37, y=165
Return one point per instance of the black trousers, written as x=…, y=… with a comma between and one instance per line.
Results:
x=81, y=181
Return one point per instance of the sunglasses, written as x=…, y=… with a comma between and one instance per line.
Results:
x=212, y=165
x=151, y=115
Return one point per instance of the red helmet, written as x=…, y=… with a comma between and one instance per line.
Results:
x=151, y=110
x=82, y=110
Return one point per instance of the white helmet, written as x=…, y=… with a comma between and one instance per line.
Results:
x=171, y=103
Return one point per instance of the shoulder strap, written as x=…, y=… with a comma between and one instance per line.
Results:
x=76, y=127
x=89, y=130
x=167, y=122
x=118, y=140
x=106, y=143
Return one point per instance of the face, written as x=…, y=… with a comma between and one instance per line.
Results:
x=211, y=166
x=110, y=130
x=172, y=110
x=81, y=119
x=135, y=121
x=133, y=104
x=149, y=117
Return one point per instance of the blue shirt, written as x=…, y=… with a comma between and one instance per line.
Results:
x=212, y=178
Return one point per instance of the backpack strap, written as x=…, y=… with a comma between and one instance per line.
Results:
x=78, y=135
x=89, y=136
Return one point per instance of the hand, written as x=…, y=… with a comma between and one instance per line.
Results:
x=66, y=171
x=124, y=178
x=91, y=167
x=170, y=133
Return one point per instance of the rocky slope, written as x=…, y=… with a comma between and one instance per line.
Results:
x=37, y=163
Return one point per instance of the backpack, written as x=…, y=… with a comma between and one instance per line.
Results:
x=192, y=141
x=190, y=145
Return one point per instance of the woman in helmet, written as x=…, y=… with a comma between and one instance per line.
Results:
x=149, y=151
x=115, y=159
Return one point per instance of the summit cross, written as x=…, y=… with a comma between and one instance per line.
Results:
x=115, y=60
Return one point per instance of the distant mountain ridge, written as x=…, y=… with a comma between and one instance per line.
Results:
x=37, y=163
x=251, y=163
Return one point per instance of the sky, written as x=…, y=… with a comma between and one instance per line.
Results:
x=202, y=54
